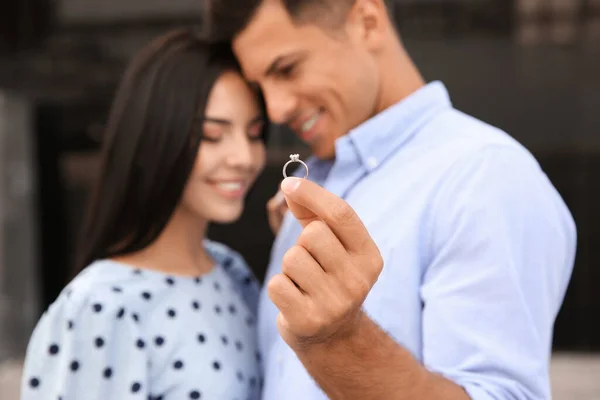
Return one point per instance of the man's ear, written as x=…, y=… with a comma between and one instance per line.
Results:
x=369, y=23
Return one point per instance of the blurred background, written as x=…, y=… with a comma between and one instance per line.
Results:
x=531, y=67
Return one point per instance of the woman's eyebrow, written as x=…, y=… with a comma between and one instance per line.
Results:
x=258, y=118
x=217, y=120
x=221, y=121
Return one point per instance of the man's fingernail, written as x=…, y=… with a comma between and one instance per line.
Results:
x=289, y=185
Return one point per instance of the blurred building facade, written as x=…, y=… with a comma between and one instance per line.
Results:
x=527, y=66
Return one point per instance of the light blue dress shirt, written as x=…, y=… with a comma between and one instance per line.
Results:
x=477, y=243
x=120, y=333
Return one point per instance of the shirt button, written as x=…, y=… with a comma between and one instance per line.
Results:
x=372, y=162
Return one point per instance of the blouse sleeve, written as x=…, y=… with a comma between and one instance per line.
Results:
x=245, y=280
x=236, y=267
x=86, y=349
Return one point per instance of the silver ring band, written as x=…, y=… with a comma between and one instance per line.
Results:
x=295, y=158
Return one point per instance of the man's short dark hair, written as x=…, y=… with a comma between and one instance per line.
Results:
x=225, y=19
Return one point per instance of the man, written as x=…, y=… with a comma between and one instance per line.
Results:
x=428, y=255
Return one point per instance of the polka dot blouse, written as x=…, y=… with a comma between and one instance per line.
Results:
x=117, y=332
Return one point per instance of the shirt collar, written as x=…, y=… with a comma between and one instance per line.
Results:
x=372, y=142
x=380, y=136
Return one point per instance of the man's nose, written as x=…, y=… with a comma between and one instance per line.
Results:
x=281, y=103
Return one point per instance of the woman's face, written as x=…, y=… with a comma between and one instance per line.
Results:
x=231, y=155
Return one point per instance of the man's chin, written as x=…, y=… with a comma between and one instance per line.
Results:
x=323, y=152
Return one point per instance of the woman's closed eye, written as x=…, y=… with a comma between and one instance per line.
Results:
x=213, y=131
x=255, y=130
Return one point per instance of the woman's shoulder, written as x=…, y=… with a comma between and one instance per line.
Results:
x=222, y=252
x=100, y=290
x=238, y=270
x=227, y=257
x=91, y=328
x=231, y=260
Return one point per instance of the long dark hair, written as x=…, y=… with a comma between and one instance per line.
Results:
x=151, y=141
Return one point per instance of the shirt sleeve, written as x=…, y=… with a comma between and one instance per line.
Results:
x=503, y=251
x=86, y=349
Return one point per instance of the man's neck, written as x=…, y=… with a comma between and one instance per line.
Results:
x=399, y=77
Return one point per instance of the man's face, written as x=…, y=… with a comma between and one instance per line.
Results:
x=320, y=83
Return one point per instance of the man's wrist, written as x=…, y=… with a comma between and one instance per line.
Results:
x=366, y=355
x=351, y=336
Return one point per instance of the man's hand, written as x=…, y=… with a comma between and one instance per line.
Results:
x=325, y=279
x=276, y=209
x=327, y=275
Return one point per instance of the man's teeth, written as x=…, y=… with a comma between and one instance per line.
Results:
x=230, y=186
x=310, y=123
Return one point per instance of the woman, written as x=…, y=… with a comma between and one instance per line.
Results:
x=157, y=311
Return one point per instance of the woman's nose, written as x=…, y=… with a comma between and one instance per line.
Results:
x=240, y=154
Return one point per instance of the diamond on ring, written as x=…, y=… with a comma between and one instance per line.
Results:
x=295, y=158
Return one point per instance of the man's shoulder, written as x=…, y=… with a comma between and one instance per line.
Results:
x=465, y=134
x=453, y=154
x=484, y=167
x=454, y=141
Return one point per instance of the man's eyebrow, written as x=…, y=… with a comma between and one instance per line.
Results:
x=275, y=65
